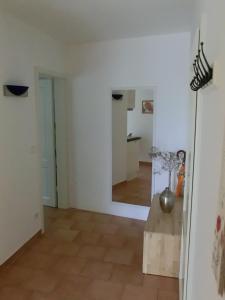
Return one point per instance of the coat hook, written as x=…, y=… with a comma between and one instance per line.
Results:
x=202, y=70
x=202, y=65
x=196, y=72
x=206, y=61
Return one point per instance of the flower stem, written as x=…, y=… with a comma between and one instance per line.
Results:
x=170, y=179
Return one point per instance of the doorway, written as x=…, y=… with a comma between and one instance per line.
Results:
x=48, y=142
x=52, y=102
x=132, y=141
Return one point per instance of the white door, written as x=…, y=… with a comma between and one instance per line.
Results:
x=48, y=143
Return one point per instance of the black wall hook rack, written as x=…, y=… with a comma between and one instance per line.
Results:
x=203, y=71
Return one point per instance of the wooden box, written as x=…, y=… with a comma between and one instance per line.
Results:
x=162, y=240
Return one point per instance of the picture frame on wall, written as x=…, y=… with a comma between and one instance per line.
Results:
x=148, y=106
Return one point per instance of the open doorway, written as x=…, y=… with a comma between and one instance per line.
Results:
x=48, y=142
x=53, y=131
x=132, y=140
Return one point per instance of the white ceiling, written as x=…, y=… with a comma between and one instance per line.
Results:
x=78, y=21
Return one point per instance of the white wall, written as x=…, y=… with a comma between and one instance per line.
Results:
x=21, y=49
x=119, y=140
x=161, y=61
x=211, y=112
x=140, y=124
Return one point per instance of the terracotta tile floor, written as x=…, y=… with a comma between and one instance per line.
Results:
x=136, y=191
x=86, y=256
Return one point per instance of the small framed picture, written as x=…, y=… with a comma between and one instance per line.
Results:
x=147, y=106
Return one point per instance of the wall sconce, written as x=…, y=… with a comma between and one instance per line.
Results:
x=15, y=90
x=117, y=96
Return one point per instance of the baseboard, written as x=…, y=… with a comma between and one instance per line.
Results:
x=145, y=163
x=20, y=251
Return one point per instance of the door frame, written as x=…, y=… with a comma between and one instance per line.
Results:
x=191, y=191
x=62, y=147
x=53, y=133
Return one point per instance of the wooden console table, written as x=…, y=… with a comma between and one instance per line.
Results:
x=162, y=240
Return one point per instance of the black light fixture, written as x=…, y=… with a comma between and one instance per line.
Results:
x=15, y=90
x=117, y=96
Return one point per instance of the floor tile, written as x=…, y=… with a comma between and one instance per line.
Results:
x=51, y=212
x=82, y=216
x=137, y=259
x=83, y=226
x=162, y=283
x=62, y=223
x=68, y=249
x=92, y=252
x=135, y=243
x=79, y=282
x=101, y=218
x=87, y=238
x=119, y=256
x=112, y=240
x=169, y=284
x=70, y=265
x=132, y=292
x=152, y=281
x=36, y=260
x=100, y=257
x=14, y=293
x=102, y=290
x=130, y=231
x=140, y=224
x=43, y=245
x=15, y=275
x=42, y=281
x=39, y=296
x=106, y=228
x=69, y=289
x=165, y=295
x=121, y=220
x=127, y=275
x=62, y=235
x=98, y=270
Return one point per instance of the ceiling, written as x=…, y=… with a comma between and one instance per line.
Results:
x=80, y=21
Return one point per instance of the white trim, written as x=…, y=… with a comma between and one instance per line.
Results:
x=193, y=189
x=38, y=71
x=194, y=212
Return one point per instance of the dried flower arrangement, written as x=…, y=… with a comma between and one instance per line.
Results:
x=166, y=161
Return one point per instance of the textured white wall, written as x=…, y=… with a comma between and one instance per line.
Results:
x=119, y=140
x=161, y=61
x=140, y=124
x=211, y=112
x=21, y=49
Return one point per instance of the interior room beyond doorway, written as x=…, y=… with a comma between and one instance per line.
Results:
x=132, y=140
x=53, y=132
